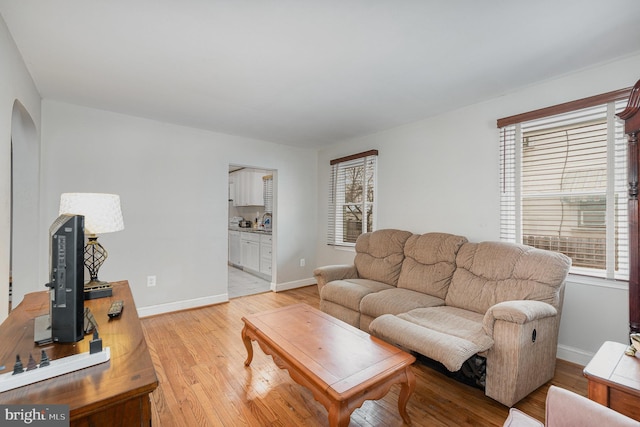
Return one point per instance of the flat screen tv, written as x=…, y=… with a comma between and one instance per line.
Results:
x=65, y=323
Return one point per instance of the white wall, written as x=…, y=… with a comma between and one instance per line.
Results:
x=441, y=174
x=173, y=185
x=15, y=85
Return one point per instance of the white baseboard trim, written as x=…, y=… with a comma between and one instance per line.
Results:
x=279, y=287
x=169, y=307
x=574, y=355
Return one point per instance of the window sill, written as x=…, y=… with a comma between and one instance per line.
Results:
x=345, y=248
x=597, y=281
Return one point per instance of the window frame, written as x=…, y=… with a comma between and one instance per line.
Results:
x=515, y=121
x=336, y=225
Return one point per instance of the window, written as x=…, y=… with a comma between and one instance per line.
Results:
x=564, y=183
x=267, y=192
x=592, y=214
x=351, y=197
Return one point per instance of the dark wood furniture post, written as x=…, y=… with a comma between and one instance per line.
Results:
x=631, y=117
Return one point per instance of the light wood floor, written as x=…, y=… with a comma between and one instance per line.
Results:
x=199, y=359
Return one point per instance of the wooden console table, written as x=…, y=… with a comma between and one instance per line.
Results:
x=614, y=379
x=115, y=393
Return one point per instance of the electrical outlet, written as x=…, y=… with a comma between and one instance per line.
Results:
x=151, y=281
x=302, y=262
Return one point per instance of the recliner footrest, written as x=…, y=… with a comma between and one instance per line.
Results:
x=450, y=350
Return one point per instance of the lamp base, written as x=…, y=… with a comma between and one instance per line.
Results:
x=97, y=289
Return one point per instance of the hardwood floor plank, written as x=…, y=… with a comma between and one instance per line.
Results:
x=199, y=359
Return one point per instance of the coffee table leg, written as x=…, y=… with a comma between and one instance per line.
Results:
x=405, y=393
x=248, y=346
x=339, y=415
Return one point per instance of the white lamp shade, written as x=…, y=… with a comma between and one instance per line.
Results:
x=102, y=213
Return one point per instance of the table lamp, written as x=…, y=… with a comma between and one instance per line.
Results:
x=102, y=214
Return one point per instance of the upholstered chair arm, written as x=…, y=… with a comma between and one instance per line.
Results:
x=525, y=343
x=329, y=273
x=518, y=418
x=565, y=408
x=520, y=312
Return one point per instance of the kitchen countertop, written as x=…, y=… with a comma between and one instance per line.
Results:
x=250, y=230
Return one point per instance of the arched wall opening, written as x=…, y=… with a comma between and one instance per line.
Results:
x=25, y=251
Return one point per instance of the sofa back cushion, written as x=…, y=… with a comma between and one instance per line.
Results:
x=429, y=263
x=379, y=255
x=491, y=272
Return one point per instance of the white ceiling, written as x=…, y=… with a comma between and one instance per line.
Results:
x=308, y=72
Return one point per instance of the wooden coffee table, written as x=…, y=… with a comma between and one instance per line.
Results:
x=341, y=365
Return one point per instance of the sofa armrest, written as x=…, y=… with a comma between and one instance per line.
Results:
x=568, y=409
x=518, y=418
x=520, y=312
x=565, y=408
x=330, y=273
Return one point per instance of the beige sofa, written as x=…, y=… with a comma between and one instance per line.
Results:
x=444, y=297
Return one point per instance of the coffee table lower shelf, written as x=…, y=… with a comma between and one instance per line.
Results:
x=341, y=365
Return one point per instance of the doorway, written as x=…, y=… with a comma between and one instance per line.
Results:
x=252, y=222
x=24, y=256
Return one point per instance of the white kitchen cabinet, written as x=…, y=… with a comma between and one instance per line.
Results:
x=235, y=253
x=265, y=254
x=248, y=188
x=250, y=248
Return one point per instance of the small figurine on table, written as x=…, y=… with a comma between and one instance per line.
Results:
x=635, y=344
x=17, y=367
x=31, y=365
x=44, y=359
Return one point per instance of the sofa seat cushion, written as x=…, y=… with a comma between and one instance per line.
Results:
x=447, y=334
x=345, y=314
x=395, y=301
x=348, y=293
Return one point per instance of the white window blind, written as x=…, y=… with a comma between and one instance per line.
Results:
x=267, y=191
x=564, y=188
x=351, y=197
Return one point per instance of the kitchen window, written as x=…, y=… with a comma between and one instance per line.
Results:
x=563, y=183
x=351, y=197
